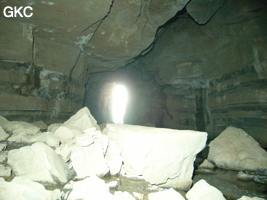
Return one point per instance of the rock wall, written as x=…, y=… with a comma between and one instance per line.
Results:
x=40, y=78
x=221, y=65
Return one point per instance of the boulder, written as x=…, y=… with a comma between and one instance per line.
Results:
x=45, y=137
x=66, y=132
x=82, y=120
x=89, y=160
x=40, y=124
x=90, y=188
x=18, y=127
x=24, y=189
x=157, y=154
x=203, y=191
x=3, y=134
x=48, y=168
x=169, y=194
x=235, y=149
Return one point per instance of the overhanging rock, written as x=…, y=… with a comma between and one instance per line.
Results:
x=157, y=154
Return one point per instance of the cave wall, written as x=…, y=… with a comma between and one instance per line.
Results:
x=222, y=64
x=41, y=79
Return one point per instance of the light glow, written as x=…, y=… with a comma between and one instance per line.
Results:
x=119, y=102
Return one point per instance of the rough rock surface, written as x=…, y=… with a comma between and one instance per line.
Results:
x=82, y=120
x=206, y=165
x=45, y=137
x=235, y=149
x=113, y=158
x=49, y=168
x=153, y=152
x=203, y=191
x=21, y=127
x=170, y=194
x=24, y=189
x=90, y=188
x=3, y=134
x=89, y=160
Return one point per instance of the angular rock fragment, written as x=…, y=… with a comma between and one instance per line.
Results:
x=24, y=189
x=40, y=124
x=89, y=160
x=53, y=127
x=39, y=163
x=82, y=120
x=170, y=194
x=157, y=154
x=90, y=188
x=235, y=149
x=203, y=191
x=113, y=158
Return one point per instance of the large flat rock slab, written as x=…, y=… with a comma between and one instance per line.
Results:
x=156, y=154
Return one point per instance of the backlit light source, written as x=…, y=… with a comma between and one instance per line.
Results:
x=119, y=102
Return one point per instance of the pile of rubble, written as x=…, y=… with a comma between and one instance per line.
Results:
x=76, y=157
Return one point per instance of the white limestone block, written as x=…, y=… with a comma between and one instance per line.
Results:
x=235, y=149
x=203, y=191
x=24, y=189
x=113, y=158
x=157, y=154
x=21, y=127
x=5, y=171
x=170, y=194
x=39, y=163
x=3, y=134
x=123, y=196
x=90, y=188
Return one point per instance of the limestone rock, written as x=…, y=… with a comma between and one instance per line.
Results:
x=113, y=158
x=89, y=160
x=123, y=196
x=18, y=127
x=40, y=124
x=45, y=137
x=235, y=149
x=5, y=171
x=170, y=194
x=82, y=120
x=3, y=134
x=250, y=198
x=82, y=140
x=203, y=191
x=153, y=154
x=48, y=168
x=90, y=188
x=26, y=190
x=53, y=127
x=66, y=132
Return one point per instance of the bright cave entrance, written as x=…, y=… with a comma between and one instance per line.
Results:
x=119, y=103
